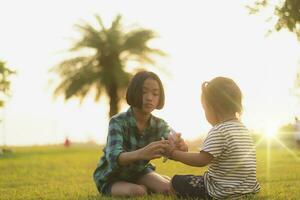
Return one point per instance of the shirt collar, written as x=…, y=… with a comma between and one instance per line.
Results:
x=132, y=120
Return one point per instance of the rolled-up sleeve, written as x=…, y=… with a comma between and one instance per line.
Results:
x=114, y=145
x=164, y=129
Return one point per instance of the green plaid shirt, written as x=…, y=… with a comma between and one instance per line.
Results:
x=123, y=136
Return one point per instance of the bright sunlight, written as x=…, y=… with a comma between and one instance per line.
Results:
x=271, y=131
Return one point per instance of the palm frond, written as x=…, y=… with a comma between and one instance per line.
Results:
x=69, y=67
x=136, y=41
x=116, y=24
x=92, y=38
x=100, y=22
x=77, y=81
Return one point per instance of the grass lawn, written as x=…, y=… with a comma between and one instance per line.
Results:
x=55, y=172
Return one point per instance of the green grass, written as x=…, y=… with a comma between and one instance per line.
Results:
x=55, y=172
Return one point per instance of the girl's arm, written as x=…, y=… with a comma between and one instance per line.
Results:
x=116, y=155
x=149, y=152
x=196, y=159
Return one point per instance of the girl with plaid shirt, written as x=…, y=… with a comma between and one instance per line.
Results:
x=134, y=138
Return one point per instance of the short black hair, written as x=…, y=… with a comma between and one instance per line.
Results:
x=223, y=95
x=134, y=94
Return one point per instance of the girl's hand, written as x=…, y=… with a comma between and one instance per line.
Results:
x=176, y=140
x=169, y=151
x=182, y=146
x=153, y=150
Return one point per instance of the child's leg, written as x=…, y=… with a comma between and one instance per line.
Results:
x=155, y=182
x=126, y=189
x=189, y=186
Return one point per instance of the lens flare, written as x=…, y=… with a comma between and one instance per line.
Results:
x=271, y=131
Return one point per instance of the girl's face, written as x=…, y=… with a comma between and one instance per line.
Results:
x=209, y=114
x=151, y=95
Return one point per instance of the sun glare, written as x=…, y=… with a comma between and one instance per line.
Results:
x=271, y=131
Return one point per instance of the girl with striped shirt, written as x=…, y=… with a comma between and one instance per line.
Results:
x=228, y=149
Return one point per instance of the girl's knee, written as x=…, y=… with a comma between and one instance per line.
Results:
x=137, y=190
x=164, y=188
x=125, y=189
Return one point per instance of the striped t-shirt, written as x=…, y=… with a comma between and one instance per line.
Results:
x=232, y=171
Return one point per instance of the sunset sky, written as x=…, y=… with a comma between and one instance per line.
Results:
x=203, y=39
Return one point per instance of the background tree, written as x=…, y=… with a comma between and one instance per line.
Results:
x=104, y=54
x=287, y=14
x=5, y=73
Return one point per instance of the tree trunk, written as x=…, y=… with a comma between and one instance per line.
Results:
x=113, y=100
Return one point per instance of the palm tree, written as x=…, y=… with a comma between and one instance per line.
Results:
x=103, y=68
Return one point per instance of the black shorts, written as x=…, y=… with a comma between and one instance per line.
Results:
x=189, y=186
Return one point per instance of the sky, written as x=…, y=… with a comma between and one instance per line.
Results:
x=203, y=39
